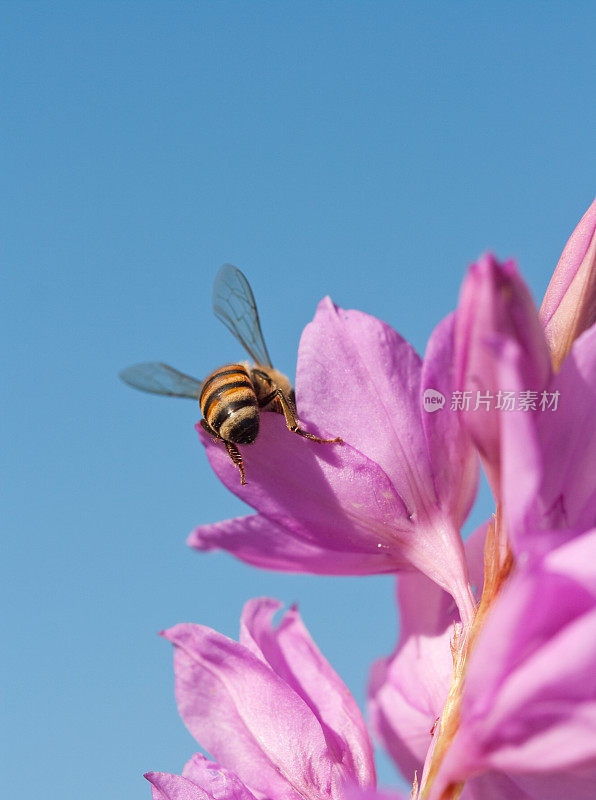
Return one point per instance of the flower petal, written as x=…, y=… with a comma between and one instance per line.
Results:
x=248, y=718
x=450, y=449
x=365, y=364
x=495, y=786
x=549, y=456
x=217, y=781
x=521, y=462
x=577, y=783
x=292, y=654
x=329, y=495
x=354, y=793
x=570, y=560
x=403, y=721
x=569, y=305
x=336, y=499
x=165, y=786
x=349, y=361
x=257, y=540
x=495, y=307
x=568, y=442
x=407, y=690
x=368, y=377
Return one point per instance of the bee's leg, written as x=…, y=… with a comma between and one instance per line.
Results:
x=274, y=394
x=292, y=422
x=288, y=408
x=233, y=451
x=234, y=454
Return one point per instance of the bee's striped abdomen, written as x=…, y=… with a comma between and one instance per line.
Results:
x=229, y=404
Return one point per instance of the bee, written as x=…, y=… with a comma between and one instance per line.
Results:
x=233, y=396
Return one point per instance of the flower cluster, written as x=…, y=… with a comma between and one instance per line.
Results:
x=491, y=691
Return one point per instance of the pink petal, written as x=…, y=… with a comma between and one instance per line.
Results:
x=569, y=305
x=450, y=449
x=321, y=493
x=578, y=784
x=555, y=728
x=217, y=781
x=354, y=793
x=521, y=460
x=567, y=439
x=293, y=655
x=407, y=690
x=570, y=560
x=402, y=720
x=367, y=377
x=336, y=499
x=549, y=456
x=495, y=786
x=265, y=544
x=540, y=462
x=248, y=718
x=365, y=364
x=165, y=786
x=495, y=307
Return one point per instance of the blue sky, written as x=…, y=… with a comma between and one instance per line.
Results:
x=365, y=150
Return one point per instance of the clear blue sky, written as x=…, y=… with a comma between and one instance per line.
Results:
x=366, y=150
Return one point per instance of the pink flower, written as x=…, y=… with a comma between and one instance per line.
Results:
x=529, y=700
x=501, y=707
x=519, y=685
x=528, y=710
x=270, y=709
x=392, y=497
x=540, y=454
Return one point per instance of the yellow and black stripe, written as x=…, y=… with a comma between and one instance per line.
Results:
x=229, y=404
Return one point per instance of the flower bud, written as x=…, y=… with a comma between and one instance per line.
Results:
x=495, y=312
x=569, y=305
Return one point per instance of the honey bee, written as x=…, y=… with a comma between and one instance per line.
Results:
x=231, y=397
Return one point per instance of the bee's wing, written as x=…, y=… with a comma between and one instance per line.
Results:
x=234, y=304
x=160, y=378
